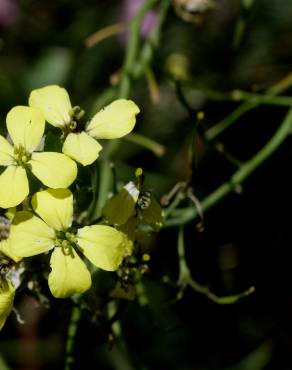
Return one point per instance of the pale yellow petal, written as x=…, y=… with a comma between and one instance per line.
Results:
x=82, y=148
x=121, y=206
x=114, y=121
x=55, y=207
x=13, y=186
x=6, y=249
x=7, y=293
x=129, y=229
x=104, y=246
x=29, y=235
x=10, y=213
x=54, y=170
x=69, y=274
x=6, y=152
x=26, y=127
x=54, y=102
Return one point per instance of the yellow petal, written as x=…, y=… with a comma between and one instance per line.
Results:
x=82, y=148
x=6, y=249
x=6, y=152
x=54, y=102
x=69, y=274
x=55, y=207
x=104, y=246
x=10, y=213
x=153, y=214
x=55, y=170
x=29, y=235
x=121, y=206
x=26, y=127
x=114, y=121
x=7, y=293
x=13, y=186
x=129, y=229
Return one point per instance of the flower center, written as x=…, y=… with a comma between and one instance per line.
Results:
x=66, y=241
x=74, y=125
x=21, y=156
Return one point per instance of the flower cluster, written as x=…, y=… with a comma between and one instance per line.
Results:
x=43, y=222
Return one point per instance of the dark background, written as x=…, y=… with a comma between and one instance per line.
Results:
x=247, y=237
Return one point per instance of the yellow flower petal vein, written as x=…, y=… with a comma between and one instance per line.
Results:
x=104, y=246
x=55, y=207
x=82, y=148
x=114, y=121
x=54, y=102
x=26, y=127
x=55, y=170
x=13, y=186
x=6, y=152
x=69, y=274
x=29, y=235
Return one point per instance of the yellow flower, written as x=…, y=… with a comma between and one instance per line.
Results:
x=5, y=248
x=114, y=121
x=26, y=127
x=7, y=290
x=30, y=235
x=132, y=202
x=7, y=293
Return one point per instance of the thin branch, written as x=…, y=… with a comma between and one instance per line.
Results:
x=239, y=176
x=104, y=33
x=185, y=278
x=246, y=106
x=71, y=336
x=132, y=49
x=218, y=146
x=147, y=143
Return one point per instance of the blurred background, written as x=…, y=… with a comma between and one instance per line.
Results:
x=205, y=50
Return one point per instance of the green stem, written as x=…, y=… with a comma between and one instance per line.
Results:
x=221, y=126
x=71, y=335
x=239, y=176
x=123, y=92
x=132, y=49
x=197, y=129
x=147, y=143
x=141, y=294
x=241, y=24
x=104, y=185
x=185, y=278
x=152, y=43
x=174, y=204
x=184, y=271
x=239, y=95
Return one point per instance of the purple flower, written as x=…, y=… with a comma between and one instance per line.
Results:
x=130, y=9
x=8, y=12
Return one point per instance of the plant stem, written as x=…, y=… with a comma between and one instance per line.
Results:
x=221, y=126
x=132, y=49
x=152, y=42
x=104, y=33
x=105, y=182
x=123, y=92
x=185, y=278
x=147, y=143
x=269, y=99
x=239, y=95
x=245, y=170
x=71, y=335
